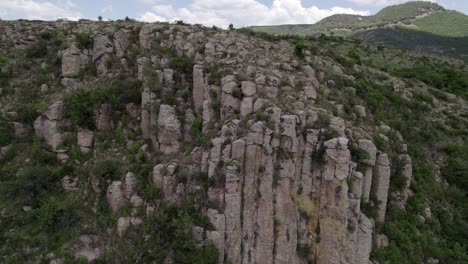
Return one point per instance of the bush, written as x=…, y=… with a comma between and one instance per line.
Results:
x=37, y=50
x=57, y=213
x=84, y=40
x=3, y=60
x=107, y=170
x=182, y=64
x=6, y=132
x=299, y=48
x=33, y=180
x=80, y=105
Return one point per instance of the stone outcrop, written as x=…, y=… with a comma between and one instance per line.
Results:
x=74, y=61
x=115, y=196
x=50, y=124
x=199, y=84
x=381, y=184
x=371, y=149
x=85, y=139
x=169, y=130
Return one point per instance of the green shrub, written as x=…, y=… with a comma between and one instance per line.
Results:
x=3, y=60
x=84, y=40
x=33, y=180
x=37, y=50
x=299, y=49
x=57, y=213
x=182, y=64
x=107, y=169
x=6, y=131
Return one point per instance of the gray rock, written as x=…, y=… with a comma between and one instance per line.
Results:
x=115, y=196
x=199, y=85
x=248, y=88
x=169, y=132
x=381, y=184
x=85, y=140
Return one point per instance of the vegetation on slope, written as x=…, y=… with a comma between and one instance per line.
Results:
x=403, y=13
x=449, y=23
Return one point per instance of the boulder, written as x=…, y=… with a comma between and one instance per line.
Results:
x=115, y=196
x=310, y=92
x=74, y=61
x=85, y=140
x=248, y=88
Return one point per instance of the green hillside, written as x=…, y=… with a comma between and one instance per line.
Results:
x=450, y=23
x=419, y=26
x=417, y=41
x=346, y=24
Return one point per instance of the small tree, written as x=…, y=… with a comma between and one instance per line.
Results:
x=231, y=27
x=100, y=18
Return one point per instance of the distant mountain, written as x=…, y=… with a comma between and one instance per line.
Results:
x=420, y=23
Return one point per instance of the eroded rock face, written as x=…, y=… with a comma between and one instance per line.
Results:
x=371, y=149
x=277, y=182
x=74, y=61
x=115, y=196
x=50, y=125
x=85, y=140
x=169, y=130
x=381, y=184
x=199, y=85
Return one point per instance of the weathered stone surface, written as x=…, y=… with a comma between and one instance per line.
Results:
x=246, y=106
x=230, y=105
x=381, y=184
x=308, y=71
x=310, y=92
x=149, y=118
x=232, y=212
x=199, y=85
x=49, y=125
x=370, y=148
x=74, y=61
x=101, y=45
x=103, y=117
x=120, y=43
x=123, y=223
x=361, y=110
x=337, y=158
x=85, y=140
x=69, y=183
x=248, y=88
x=169, y=130
x=130, y=186
x=364, y=241
x=338, y=125
x=115, y=196
x=217, y=237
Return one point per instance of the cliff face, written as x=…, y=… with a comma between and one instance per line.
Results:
x=241, y=121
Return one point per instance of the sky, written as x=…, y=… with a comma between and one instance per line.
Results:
x=207, y=12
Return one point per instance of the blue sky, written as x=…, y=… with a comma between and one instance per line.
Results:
x=207, y=12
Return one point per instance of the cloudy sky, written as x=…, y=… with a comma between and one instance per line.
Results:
x=207, y=12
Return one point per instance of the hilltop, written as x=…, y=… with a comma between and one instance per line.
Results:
x=445, y=31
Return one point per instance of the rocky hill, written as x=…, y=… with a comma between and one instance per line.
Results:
x=126, y=142
x=444, y=31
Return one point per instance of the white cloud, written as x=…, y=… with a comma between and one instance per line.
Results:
x=382, y=2
x=247, y=12
x=34, y=9
x=151, y=17
x=106, y=9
